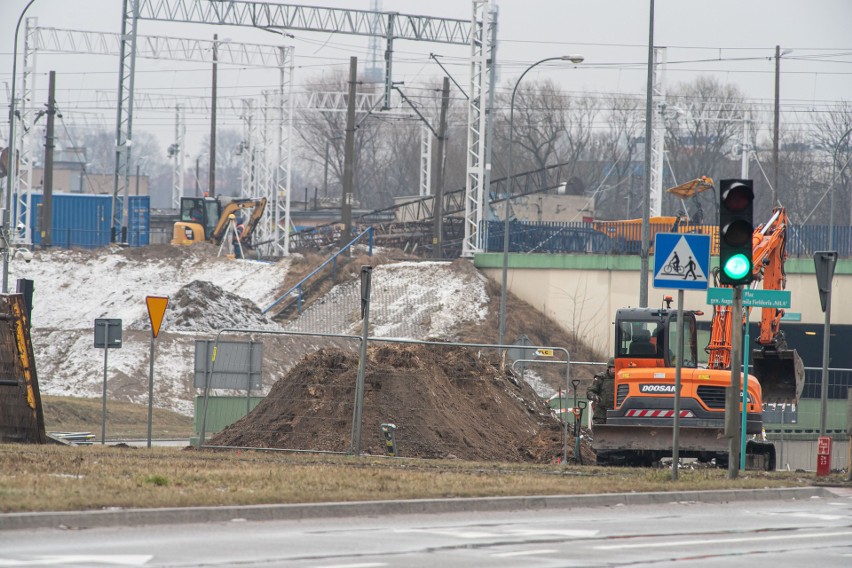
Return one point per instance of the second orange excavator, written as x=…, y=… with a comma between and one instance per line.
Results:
x=638, y=429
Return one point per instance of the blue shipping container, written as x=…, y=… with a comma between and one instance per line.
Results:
x=84, y=220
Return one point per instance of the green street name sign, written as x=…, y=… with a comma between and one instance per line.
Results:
x=753, y=298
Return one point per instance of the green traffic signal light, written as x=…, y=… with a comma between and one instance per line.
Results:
x=736, y=231
x=737, y=267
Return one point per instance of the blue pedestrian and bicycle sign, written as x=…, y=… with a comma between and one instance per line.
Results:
x=681, y=261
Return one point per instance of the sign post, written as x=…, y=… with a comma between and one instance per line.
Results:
x=366, y=282
x=107, y=336
x=156, y=311
x=677, y=258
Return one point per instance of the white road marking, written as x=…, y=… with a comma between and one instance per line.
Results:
x=524, y=553
x=555, y=532
x=449, y=532
x=471, y=534
x=363, y=565
x=115, y=560
x=817, y=516
x=820, y=517
x=720, y=541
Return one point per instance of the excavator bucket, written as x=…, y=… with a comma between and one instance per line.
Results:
x=780, y=372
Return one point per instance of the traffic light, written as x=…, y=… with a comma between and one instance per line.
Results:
x=736, y=227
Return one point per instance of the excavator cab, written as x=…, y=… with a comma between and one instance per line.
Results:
x=648, y=338
x=198, y=219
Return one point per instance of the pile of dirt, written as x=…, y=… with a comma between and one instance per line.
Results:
x=446, y=402
x=204, y=307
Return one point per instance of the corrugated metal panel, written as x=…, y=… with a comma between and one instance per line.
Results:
x=222, y=411
x=139, y=226
x=78, y=220
x=83, y=220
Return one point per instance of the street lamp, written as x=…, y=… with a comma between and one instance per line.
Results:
x=831, y=189
x=11, y=155
x=510, y=174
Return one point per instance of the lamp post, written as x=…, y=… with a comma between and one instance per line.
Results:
x=211, y=175
x=511, y=180
x=11, y=155
x=831, y=189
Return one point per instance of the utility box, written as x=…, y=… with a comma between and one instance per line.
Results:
x=823, y=456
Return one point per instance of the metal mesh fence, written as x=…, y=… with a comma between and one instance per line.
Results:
x=405, y=302
x=437, y=400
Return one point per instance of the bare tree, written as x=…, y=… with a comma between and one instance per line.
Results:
x=228, y=144
x=704, y=121
x=616, y=195
x=322, y=134
x=539, y=123
x=550, y=128
x=832, y=136
x=804, y=190
x=579, y=149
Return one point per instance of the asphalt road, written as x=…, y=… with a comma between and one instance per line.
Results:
x=758, y=533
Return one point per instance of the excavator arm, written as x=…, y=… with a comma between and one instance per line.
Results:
x=250, y=225
x=779, y=369
x=770, y=252
x=258, y=206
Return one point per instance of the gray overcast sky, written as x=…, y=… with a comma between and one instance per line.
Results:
x=732, y=40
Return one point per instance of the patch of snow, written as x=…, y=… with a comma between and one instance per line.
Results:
x=413, y=300
x=206, y=293
x=74, y=287
x=538, y=384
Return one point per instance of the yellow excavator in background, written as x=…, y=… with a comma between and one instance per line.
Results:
x=205, y=219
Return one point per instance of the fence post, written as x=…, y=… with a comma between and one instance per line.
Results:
x=357, y=414
x=849, y=434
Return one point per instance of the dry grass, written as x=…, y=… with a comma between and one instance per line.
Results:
x=55, y=478
x=124, y=420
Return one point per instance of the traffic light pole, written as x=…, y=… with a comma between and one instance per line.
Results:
x=744, y=391
x=678, y=373
x=732, y=401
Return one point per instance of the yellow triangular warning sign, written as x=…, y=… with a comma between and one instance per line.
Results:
x=156, y=310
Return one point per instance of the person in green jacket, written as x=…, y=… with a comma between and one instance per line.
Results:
x=602, y=392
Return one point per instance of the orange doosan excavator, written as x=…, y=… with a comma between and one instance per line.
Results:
x=638, y=430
